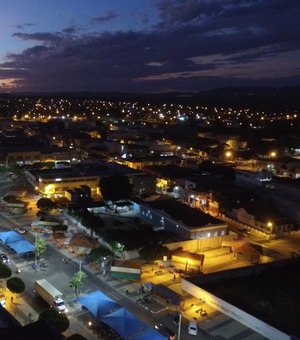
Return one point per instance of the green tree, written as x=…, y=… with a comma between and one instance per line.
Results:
x=115, y=187
x=45, y=204
x=5, y=271
x=10, y=198
x=15, y=285
x=153, y=252
x=40, y=246
x=59, y=227
x=76, y=336
x=77, y=281
x=57, y=320
x=94, y=223
x=99, y=252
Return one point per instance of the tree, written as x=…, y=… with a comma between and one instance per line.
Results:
x=94, y=223
x=5, y=271
x=57, y=320
x=76, y=336
x=15, y=285
x=99, y=252
x=59, y=228
x=40, y=246
x=45, y=204
x=10, y=198
x=153, y=252
x=77, y=281
x=115, y=187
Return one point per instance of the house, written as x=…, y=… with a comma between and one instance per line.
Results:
x=181, y=219
x=263, y=217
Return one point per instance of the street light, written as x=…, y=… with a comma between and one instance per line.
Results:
x=228, y=155
x=35, y=253
x=179, y=326
x=270, y=226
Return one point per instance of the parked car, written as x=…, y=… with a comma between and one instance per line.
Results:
x=175, y=319
x=203, y=312
x=165, y=331
x=4, y=258
x=2, y=300
x=192, y=327
x=21, y=230
x=159, y=272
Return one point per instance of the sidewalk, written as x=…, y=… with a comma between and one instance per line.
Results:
x=20, y=309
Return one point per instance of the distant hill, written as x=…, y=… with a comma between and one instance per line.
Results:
x=260, y=98
x=265, y=98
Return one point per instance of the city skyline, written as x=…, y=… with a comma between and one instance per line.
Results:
x=148, y=46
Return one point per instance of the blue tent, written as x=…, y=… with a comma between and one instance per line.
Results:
x=10, y=236
x=124, y=323
x=149, y=334
x=21, y=247
x=98, y=304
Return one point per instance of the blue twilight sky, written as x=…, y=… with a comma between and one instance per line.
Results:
x=148, y=45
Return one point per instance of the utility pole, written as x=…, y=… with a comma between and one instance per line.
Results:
x=35, y=250
x=179, y=325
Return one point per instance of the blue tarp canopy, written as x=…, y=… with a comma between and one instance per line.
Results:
x=21, y=247
x=10, y=236
x=149, y=334
x=16, y=242
x=98, y=304
x=124, y=323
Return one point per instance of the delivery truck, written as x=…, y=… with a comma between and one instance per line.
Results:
x=50, y=294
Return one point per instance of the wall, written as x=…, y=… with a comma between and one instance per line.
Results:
x=195, y=245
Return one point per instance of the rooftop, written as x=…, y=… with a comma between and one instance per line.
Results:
x=190, y=217
x=267, y=291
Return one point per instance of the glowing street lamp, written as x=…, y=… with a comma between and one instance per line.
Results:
x=273, y=154
x=270, y=226
x=228, y=155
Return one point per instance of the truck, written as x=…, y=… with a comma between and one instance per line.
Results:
x=50, y=294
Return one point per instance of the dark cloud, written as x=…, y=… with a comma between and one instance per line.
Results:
x=110, y=15
x=72, y=30
x=24, y=25
x=201, y=44
x=145, y=19
x=44, y=37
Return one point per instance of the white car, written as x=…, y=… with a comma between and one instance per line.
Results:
x=192, y=327
x=21, y=230
x=4, y=258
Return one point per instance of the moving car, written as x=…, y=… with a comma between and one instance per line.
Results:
x=165, y=331
x=4, y=258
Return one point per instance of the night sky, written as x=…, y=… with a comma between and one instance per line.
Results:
x=148, y=45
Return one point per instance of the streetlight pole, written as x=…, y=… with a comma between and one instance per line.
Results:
x=179, y=325
x=35, y=250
